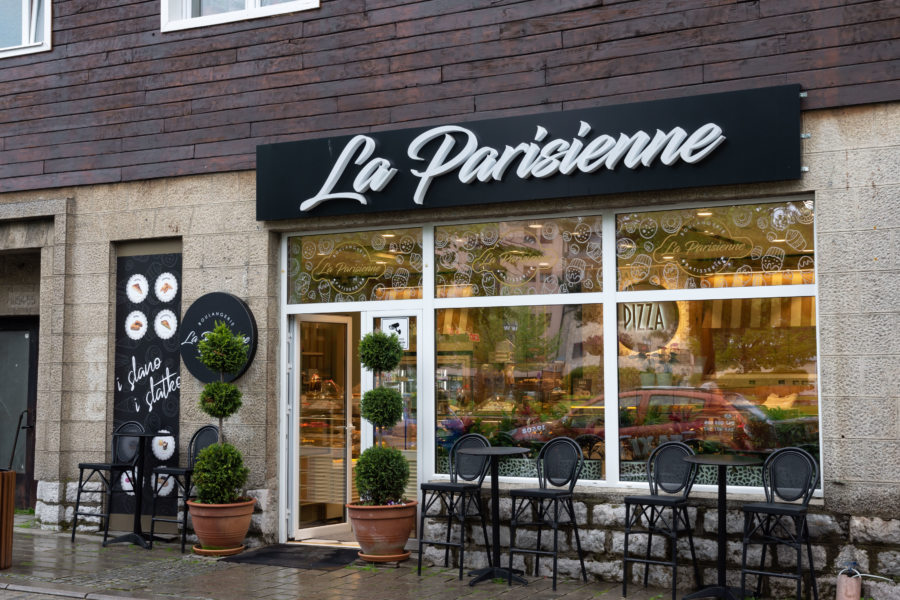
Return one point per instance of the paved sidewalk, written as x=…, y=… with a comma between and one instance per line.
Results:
x=47, y=566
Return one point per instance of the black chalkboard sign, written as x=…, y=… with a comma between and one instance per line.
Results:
x=201, y=318
x=147, y=385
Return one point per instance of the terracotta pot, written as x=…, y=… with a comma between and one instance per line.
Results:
x=382, y=531
x=221, y=525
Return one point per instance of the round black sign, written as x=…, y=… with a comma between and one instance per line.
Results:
x=201, y=318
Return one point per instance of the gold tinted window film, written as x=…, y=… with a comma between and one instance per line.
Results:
x=724, y=246
x=355, y=267
x=507, y=258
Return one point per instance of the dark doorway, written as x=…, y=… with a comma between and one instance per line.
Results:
x=18, y=393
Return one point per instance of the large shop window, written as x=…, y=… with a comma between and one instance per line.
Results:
x=734, y=374
x=721, y=375
x=185, y=14
x=520, y=375
x=24, y=26
x=355, y=267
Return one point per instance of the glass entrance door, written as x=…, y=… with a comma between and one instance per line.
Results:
x=326, y=431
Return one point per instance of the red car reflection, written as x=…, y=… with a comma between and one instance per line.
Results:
x=649, y=416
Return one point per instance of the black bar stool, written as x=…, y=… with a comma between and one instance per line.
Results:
x=790, y=475
x=125, y=453
x=202, y=438
x=663, y=511
x=454, y=498
x=559, y=464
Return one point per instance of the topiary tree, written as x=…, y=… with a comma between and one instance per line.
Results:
x=219, y=471
x=381, y=472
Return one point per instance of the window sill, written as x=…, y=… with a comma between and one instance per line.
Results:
x=168, y=25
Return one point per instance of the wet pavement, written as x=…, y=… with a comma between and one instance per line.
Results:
x=47, y=566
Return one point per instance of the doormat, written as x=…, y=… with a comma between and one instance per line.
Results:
x=298, y=556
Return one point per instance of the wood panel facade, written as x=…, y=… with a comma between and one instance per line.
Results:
x=118, y=100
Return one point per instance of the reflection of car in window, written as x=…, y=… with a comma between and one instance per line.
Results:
x=650, y=416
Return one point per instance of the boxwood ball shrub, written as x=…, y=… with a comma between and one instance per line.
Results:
x=382, y=407
x=219, y=474
x=381, y=472
x=381, y=476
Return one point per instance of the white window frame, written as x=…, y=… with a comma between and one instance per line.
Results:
x=609, y=297
x=30, y=29
x=175, y=14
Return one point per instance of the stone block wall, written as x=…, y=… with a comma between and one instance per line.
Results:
x=837, y=540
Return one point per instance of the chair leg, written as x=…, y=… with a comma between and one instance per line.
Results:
x=487, y=543
x=450, y=508
x=555, y=540
x=577, y=540
x=421, y=530
x=184, y=514
x=109, y=497
x=650, y=525
x=512, y=541
x=625, y=550
x=674, y=552
x=766, y=529
x=812, y=571
x=153, y=513
x=698, y=577
x=464, y=510
x=540, y=528
x=77, y=502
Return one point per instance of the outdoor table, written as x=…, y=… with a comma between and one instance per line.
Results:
x=137, y=535
x=722, y=461
x=496, y=571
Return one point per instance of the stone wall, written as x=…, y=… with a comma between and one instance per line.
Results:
x=837, y=539
x=224, y=249
x=20, y=275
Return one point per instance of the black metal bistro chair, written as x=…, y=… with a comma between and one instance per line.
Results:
x=790, y=475
x=559, y=465
x=452, y=499
x=125, y=452
x=204, y=437
x=663, y=511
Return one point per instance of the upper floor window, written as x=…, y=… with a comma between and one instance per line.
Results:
x=184, y=14
x=24, y=26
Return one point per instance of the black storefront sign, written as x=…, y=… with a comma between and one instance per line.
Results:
x=746, y=136
x=201, y=318
x=147, y=368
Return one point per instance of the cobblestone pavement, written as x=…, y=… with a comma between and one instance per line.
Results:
x=47, y=566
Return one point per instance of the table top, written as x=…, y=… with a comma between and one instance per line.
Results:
x=725, y=460
x=494, y=450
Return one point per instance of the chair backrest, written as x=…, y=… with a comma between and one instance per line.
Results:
x=559, y=463
x=790, y=474
x=204, y=437
x=668, y=472
x=468, y=467
x=126, y=448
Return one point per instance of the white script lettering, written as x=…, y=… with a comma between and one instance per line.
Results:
x=456, y=149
